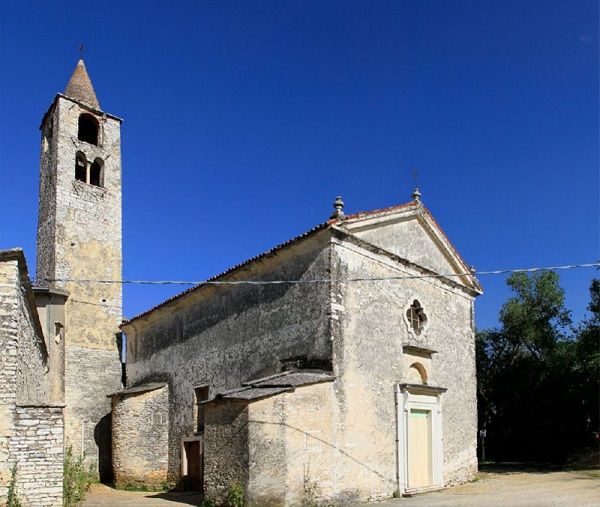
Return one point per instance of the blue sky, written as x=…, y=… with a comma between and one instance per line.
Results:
x=245, y=119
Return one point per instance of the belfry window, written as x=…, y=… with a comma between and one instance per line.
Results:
x=97, y=172
x=92, y=173
x=80, y=167
x=88, y=129
x=416, y=317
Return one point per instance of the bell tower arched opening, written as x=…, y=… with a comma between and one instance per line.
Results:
x=88, y=129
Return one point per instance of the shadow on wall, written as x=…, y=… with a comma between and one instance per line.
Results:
x=103, y=438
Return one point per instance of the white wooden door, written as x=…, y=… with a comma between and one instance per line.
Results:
x=419, y=448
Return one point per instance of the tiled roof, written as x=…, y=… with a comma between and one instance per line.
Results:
x=364, y=214
x=272, y=251
x=151, y=386
x=264, y=255
x=275, y=384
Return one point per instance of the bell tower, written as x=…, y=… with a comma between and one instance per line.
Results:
x=79, y=243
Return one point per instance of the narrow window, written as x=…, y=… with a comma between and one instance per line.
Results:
x=416, y=317
x=80, y=167
x=97, y=172
x=88, y=129
x=200, y=395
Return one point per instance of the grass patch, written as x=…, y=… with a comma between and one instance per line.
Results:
x=594, y=473
x=481, y=476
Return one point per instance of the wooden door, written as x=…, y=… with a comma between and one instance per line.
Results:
x=419, y=448
x=195, y=465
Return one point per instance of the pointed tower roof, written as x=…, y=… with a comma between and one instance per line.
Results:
x=80, y=87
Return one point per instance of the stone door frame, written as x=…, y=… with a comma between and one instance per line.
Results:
x=419, y=397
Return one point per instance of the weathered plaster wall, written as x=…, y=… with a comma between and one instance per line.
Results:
x=51, y=310
x=91, y=375
x=79, y=238
x=293, y=448
x=409, y=236
x=227, y=335
x=140, y=430
x=282, y=449
x=368, y=334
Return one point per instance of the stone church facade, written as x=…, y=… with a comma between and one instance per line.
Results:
x=355, y=382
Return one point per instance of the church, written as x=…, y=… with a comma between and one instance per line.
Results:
x=337, y=366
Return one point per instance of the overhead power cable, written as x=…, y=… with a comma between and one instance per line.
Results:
x=323, y=280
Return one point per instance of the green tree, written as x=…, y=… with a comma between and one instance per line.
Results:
x=522, y=368
x=586, y=368
x=535, y=319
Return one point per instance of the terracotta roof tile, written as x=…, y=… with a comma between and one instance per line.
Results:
x=233, y=269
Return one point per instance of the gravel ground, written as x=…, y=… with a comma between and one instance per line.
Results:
x=509, y=488
x=514, y=489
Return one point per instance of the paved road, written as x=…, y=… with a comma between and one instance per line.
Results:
x=510, y=489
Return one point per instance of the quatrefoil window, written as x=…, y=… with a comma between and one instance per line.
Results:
x=416, y=317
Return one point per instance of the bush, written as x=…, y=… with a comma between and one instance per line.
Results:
x=12, y=500
x=235, y=495
x=77, y=479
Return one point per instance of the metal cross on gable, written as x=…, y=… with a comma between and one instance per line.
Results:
x=416, y=195
x=81, y=50
x=415, y=175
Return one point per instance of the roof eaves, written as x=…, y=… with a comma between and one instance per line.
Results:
x=79, y=103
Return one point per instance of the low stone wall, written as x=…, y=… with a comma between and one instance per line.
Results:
x=37, y=448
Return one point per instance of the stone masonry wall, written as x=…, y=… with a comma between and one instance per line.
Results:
x=37, y=448
x=140, y=431
x=31, y=430
x=226, y=452
x=9, y=336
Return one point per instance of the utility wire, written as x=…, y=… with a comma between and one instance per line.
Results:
x=323, y=280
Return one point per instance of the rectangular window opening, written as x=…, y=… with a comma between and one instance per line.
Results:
x=200, y=394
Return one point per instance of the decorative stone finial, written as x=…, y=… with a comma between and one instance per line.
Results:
x=472, y=270
x=339, y=206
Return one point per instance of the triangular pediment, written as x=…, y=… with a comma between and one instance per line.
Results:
x=411, y=233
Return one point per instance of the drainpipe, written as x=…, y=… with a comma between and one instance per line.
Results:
x=397, y=396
